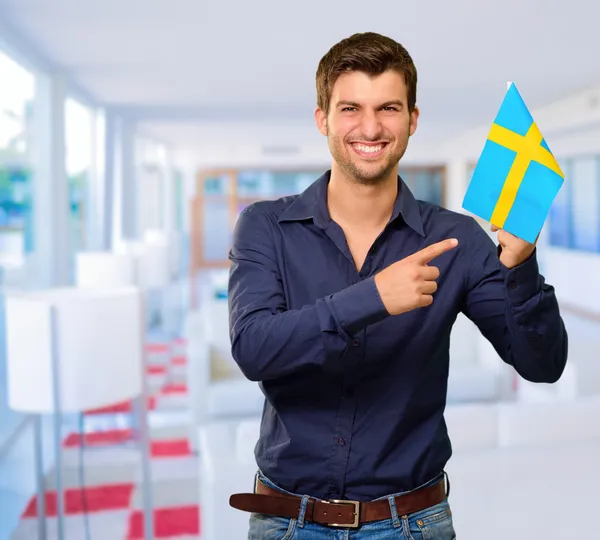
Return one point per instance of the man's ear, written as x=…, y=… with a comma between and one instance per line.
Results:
x=321, y=120
x=414, y=119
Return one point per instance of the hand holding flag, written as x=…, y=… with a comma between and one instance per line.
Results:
x=514, y=249
x=515, y=180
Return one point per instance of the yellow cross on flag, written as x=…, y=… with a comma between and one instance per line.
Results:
x=516, y=177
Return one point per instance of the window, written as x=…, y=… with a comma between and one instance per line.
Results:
x=78, y=158
x=222, y=195
x=17, y=92
x=16, y=176
x=426, y=184
x=574, y=218
x=560, y=226
x=273, y=184
x=584, y=201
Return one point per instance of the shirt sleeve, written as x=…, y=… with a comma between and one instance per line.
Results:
x=515, y=309
x=269, y=340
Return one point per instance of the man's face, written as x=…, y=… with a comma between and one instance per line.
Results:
x=368, y=124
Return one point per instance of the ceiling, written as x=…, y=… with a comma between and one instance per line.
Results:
x=181, y=67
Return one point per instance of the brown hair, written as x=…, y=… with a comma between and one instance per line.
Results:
x=368, y=52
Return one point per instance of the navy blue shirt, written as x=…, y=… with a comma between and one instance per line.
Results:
x=355, y=397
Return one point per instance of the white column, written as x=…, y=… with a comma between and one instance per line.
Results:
x=169, y=201
x=107, y=166
x=129, y=180
x=95, y=203
x=456, y=184
x=186, y=164
x=51, y=194
x=120, y=141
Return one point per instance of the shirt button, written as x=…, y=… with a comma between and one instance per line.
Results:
x=356, y=342
x=512, y=285
x=342, y=441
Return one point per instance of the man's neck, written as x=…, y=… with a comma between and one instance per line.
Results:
x=352, y=203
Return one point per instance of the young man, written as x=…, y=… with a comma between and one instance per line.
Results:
x=342, y=300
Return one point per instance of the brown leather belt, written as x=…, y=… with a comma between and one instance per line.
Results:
x=335, y=513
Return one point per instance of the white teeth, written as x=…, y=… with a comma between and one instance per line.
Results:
x=369, y=149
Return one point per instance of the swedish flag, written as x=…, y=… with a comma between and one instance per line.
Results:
x=516, y=177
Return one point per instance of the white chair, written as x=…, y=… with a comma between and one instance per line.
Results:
x=218, y=388
x=227, y=466
x=61, y=360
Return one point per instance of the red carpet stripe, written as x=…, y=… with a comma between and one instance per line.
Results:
x=168, y=522
x=174, y=389
x=157, y=347
x=170, y=448
x=97, y=499
x=179, y=360
x=156, y=370
x=98, y=438
x=124, y=407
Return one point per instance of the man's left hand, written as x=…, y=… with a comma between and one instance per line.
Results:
x=514, y=250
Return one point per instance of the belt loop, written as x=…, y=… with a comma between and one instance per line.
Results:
x=447, y=484
x=394, y=511
x=302, y=513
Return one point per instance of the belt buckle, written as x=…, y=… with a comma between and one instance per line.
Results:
x=356, y=505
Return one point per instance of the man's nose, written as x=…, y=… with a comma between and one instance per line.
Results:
x=371, y=125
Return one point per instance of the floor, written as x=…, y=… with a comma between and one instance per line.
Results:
x=110, y=506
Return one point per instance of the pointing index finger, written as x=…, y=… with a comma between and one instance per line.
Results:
x=435, y=250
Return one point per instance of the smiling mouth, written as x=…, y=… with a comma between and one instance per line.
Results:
x=369, y=150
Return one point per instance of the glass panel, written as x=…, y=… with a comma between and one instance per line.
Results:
x=425, y=185
x=253, y=184
x=217, y=185
x=16, y=192
x=407, y=177
x=559, y=217
x=284, y=183
x=216, y=229
x=585, y=211
x=273, y=184
x=428, y=186
x=305, y=180
x=78, y=145
x=17, y=92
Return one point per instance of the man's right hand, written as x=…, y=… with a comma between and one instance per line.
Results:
x=410, y=283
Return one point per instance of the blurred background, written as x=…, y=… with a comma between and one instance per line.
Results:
x=133, y=133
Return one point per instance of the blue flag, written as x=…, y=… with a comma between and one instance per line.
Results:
x=516, y=177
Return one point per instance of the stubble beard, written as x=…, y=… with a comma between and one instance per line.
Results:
x=370, y=175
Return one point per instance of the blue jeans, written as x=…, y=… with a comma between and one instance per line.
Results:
x=433, y=523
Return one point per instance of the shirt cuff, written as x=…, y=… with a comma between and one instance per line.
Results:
x=523, y=281
x=358, y=306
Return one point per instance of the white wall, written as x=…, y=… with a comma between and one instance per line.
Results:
x=575, y=277
x=569, y=126
x=267, y=144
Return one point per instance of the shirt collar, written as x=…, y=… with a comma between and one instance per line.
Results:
x=312, y=204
